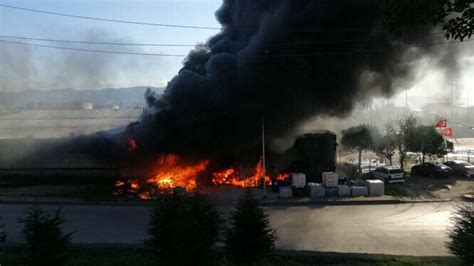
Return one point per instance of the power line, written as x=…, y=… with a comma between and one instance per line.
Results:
x=91, y=50
x=186, y=26
x=184, y=45
x=111, y=20
x=255, y=56
x=102, y=43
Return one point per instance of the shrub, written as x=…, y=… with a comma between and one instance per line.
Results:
x=462, y=234
x=3, y=235
x=183, y=230
x=250, y=236
x=46, y=244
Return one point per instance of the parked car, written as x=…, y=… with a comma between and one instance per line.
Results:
x=461, y=168
x=389, y=174
x=431, y=170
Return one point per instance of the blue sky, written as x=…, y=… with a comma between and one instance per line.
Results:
x=47, y=67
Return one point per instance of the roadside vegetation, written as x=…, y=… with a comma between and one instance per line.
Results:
x=462, y=234
x=183, y=230
x=139, y=256
x=45, y=242
x=250, y=238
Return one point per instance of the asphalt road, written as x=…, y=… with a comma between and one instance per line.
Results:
x=402, y=229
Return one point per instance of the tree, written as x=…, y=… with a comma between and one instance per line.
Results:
x=359, y=138
x=386, y=145
x=405, y=126
x=3, y=235
x=456, y=17
x=250, y=236
x=462, y=234
x=46, y=244
x=183, y=230
x=425, y=140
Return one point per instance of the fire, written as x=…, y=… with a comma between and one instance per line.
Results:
x=230, y=176
x=172, y=172
x=282, y=177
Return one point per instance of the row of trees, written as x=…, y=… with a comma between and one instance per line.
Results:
x=184, y=230
x=407, y=135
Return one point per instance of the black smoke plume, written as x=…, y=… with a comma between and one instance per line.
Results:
x=279, y=61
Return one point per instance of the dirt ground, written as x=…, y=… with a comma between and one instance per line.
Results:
x=432, y=188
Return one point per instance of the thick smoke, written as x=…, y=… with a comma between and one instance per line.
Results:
x=268, y=63
x=33, y=68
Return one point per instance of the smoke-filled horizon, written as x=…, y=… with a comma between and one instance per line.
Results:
x=216, y=103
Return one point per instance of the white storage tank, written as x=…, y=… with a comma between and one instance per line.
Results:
x=316, y=190
x=359, y=191
x=376, y=187
x=286, y=192
x=330, y=179
x=298, y=180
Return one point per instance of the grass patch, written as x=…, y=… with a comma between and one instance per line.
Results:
x=110, y=256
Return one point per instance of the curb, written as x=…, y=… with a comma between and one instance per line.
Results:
x=347, y=202
x=266, y=203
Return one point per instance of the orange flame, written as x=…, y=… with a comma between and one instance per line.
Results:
x=231, y=177
x=171, y=173
x=282, y=177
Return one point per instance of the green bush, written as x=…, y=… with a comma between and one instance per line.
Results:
x=462, y=234
x=250, y=237
x=183, y=230
x=46, y=244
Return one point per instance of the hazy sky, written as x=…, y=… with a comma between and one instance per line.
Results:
x=49, y=68
x=42, y=68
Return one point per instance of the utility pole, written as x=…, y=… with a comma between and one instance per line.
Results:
x=406, y=98
x=453, y=83
x=263, y=157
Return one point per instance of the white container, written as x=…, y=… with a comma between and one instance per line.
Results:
x=376, y=187
x=343, y=190
x=330, y=179
x=298, y=180
x=286, y=192
x=331, y=191
x=316, y=190
x=359, y=191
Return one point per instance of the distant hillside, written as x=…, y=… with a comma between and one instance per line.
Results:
x=126, y=97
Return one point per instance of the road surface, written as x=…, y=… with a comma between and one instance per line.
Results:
x=401, y=229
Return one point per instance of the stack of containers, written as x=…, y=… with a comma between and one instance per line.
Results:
x=359, y=191
x=286, y=192
x=316, y=190
x=298, y=180
x=376, y=187
x=331, y=191
x=343, y=190
x=330, y=179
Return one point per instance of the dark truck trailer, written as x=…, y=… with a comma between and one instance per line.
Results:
x=58, y=176
x=312, y=154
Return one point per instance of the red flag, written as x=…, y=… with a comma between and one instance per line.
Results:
x=448, y=132
x=441, y=123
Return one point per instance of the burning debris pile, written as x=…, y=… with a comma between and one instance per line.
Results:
x=173, y=173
